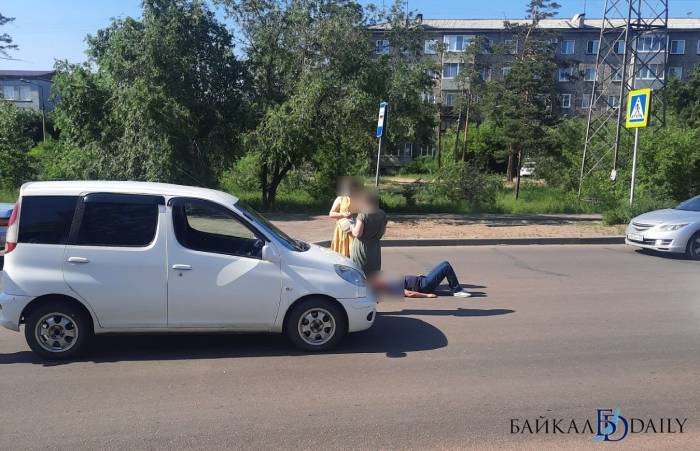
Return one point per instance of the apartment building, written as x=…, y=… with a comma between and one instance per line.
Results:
x=577, y=47
x=28, y=89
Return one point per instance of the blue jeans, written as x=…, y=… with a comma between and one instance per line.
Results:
x=431, y=281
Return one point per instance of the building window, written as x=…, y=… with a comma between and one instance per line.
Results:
x=505, y=71
x=613, y=102
x=585, y=101
x=427, y=150
x=617, y=76
x=675, y=72
x=568, y=47
x=487, y=46
x=450, y=99
x=648, y=44
x=565, y=101
x=698, y=49
x=451, y=70
x=430, y=47
x=381, y=47
x=456, y=43
x=566, y=73
x=678, y=47
x=485, y=74
x=620, y=47
x=512, y=46
x=590, y=73
x=592, y=47
x=17, y=93
x=651, y=72
x=428, y=97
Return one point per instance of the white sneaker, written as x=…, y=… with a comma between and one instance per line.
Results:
x=462, y=294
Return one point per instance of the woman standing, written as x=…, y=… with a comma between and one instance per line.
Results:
x=342, y=212
x=366, y=249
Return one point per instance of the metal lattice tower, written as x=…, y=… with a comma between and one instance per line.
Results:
x=632, y=54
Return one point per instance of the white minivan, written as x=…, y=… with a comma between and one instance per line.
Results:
x=94, y=257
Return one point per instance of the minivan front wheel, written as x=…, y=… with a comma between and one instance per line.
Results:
x=316, y=324
x=57, y=330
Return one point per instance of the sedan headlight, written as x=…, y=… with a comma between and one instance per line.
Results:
x=671, y=227
x=351, y=275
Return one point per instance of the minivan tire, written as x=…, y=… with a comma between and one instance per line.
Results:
x=690, y=251
x=71, y=327
x=316, y=324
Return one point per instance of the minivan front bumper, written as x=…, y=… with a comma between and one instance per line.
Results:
x=11, y=307
x=361, y=312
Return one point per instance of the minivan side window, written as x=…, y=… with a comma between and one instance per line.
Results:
x=118, y=220
x=46, y=219
x=205, y=226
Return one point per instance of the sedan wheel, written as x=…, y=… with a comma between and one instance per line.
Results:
x=693, y=249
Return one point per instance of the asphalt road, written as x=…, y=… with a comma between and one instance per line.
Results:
x=557, y=332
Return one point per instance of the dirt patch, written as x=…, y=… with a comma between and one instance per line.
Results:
x=318, y=228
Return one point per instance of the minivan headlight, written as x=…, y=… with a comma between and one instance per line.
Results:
x=671, y=227
x=351, y=275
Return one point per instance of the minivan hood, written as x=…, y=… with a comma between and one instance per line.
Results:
x=313, y=272
x=668, y=215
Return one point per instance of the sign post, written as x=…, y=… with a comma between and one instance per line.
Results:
x=637, y=117
x=381, y=125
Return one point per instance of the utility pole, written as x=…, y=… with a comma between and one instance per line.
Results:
x=42, y=106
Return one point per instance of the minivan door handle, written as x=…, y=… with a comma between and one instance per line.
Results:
x=78, y=260
x=181, y=267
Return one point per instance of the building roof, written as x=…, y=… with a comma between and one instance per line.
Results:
x=75, y=188
x=45, y=74
x=554, y=24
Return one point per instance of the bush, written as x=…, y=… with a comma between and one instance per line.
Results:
x=56, y=160
x=465, y=182
x=244, y=176
x=624, y=213
x=420, y=165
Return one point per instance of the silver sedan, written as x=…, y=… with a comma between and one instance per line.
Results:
x=674, y=230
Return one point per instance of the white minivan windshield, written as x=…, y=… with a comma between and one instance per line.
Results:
x=271, y=229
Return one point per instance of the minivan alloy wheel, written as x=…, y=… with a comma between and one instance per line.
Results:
x=56, y=332
x=316, y=326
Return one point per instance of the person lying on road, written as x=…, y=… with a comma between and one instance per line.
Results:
x=421, y=286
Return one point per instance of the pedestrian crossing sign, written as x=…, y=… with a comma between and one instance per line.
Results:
x=638, y=108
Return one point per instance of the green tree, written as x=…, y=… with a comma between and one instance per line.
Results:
x=15, y=142
x=314, y=96
x=524, y=103
x=165, y=100
x=5, y=39
x=683, y=97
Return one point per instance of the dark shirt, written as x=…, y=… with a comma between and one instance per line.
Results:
x=411, y=283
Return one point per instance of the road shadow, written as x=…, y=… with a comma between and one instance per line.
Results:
x=665, y=255
x=444, y=290
x=394, y=336
x=456, y=312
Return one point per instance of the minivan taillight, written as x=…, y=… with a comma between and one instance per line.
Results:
x=12, y=230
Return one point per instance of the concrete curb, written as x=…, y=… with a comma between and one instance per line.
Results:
x=495, y=241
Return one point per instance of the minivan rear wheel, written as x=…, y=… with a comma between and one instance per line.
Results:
x=58, y=330
x=692, y=251
x=316, y=324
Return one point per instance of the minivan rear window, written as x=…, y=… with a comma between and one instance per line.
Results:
x=118, y=220
x=46, y=219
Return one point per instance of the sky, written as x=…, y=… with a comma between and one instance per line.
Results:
x=46, y=30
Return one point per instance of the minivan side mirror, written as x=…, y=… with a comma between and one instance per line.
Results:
x=270, y=253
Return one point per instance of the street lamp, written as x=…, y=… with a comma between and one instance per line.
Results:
x=41, y=105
